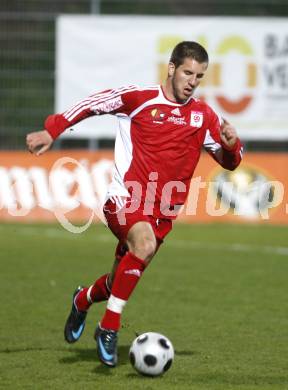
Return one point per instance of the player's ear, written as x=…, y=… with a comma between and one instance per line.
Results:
x=171, y=69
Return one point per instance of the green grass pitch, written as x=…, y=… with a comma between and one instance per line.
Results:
x=219, y=292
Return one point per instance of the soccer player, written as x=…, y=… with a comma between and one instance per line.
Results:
x=162, y=130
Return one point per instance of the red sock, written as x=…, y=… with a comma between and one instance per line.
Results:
x=126, y=278
x=98, y=292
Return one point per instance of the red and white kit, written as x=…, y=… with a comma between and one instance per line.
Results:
x=158, y=143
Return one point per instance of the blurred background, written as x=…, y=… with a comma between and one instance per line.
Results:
x=220, y=283
x=28, y=38
x=34, y=68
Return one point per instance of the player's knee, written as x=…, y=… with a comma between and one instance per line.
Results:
x=145, y=249
x=149, y=249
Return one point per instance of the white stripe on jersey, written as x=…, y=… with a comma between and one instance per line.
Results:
x=210, y=144
x=123, y=157
x=91, y=97
x=95, y=99
x=103, y=95
x=82, y=102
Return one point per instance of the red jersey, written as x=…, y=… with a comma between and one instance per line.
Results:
x=158, y=142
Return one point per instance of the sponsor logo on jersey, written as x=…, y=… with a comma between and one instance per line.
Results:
x=158, y=115
x=196, y=119
x=110, y=105
x=177, y=120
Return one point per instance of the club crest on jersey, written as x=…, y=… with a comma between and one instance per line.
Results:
x=196, y=119
x=158, y=115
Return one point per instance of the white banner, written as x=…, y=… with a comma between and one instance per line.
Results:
x=247, y=81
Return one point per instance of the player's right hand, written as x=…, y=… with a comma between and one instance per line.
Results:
x=39, y=142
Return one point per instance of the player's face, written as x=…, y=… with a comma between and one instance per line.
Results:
x=186, y=78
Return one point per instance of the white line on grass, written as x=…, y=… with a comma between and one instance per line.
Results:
x=233, y=247
x=180, y=244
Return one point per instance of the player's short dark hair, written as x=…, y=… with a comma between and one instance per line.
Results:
x=188, y=49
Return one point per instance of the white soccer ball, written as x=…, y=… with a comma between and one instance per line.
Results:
x=151, y=354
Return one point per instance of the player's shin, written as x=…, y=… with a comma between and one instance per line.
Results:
x=126, y=278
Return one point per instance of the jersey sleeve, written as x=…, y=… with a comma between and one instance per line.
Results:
x=228, y=158
x=112, y=101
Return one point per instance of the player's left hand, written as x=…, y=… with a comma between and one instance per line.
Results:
x=228, y=134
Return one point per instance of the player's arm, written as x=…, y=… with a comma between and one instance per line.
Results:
x=38, y=142
x=107, y=102
x=222, y=143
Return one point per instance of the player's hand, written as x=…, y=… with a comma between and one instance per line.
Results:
x=228, y=134
x=39, y=142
